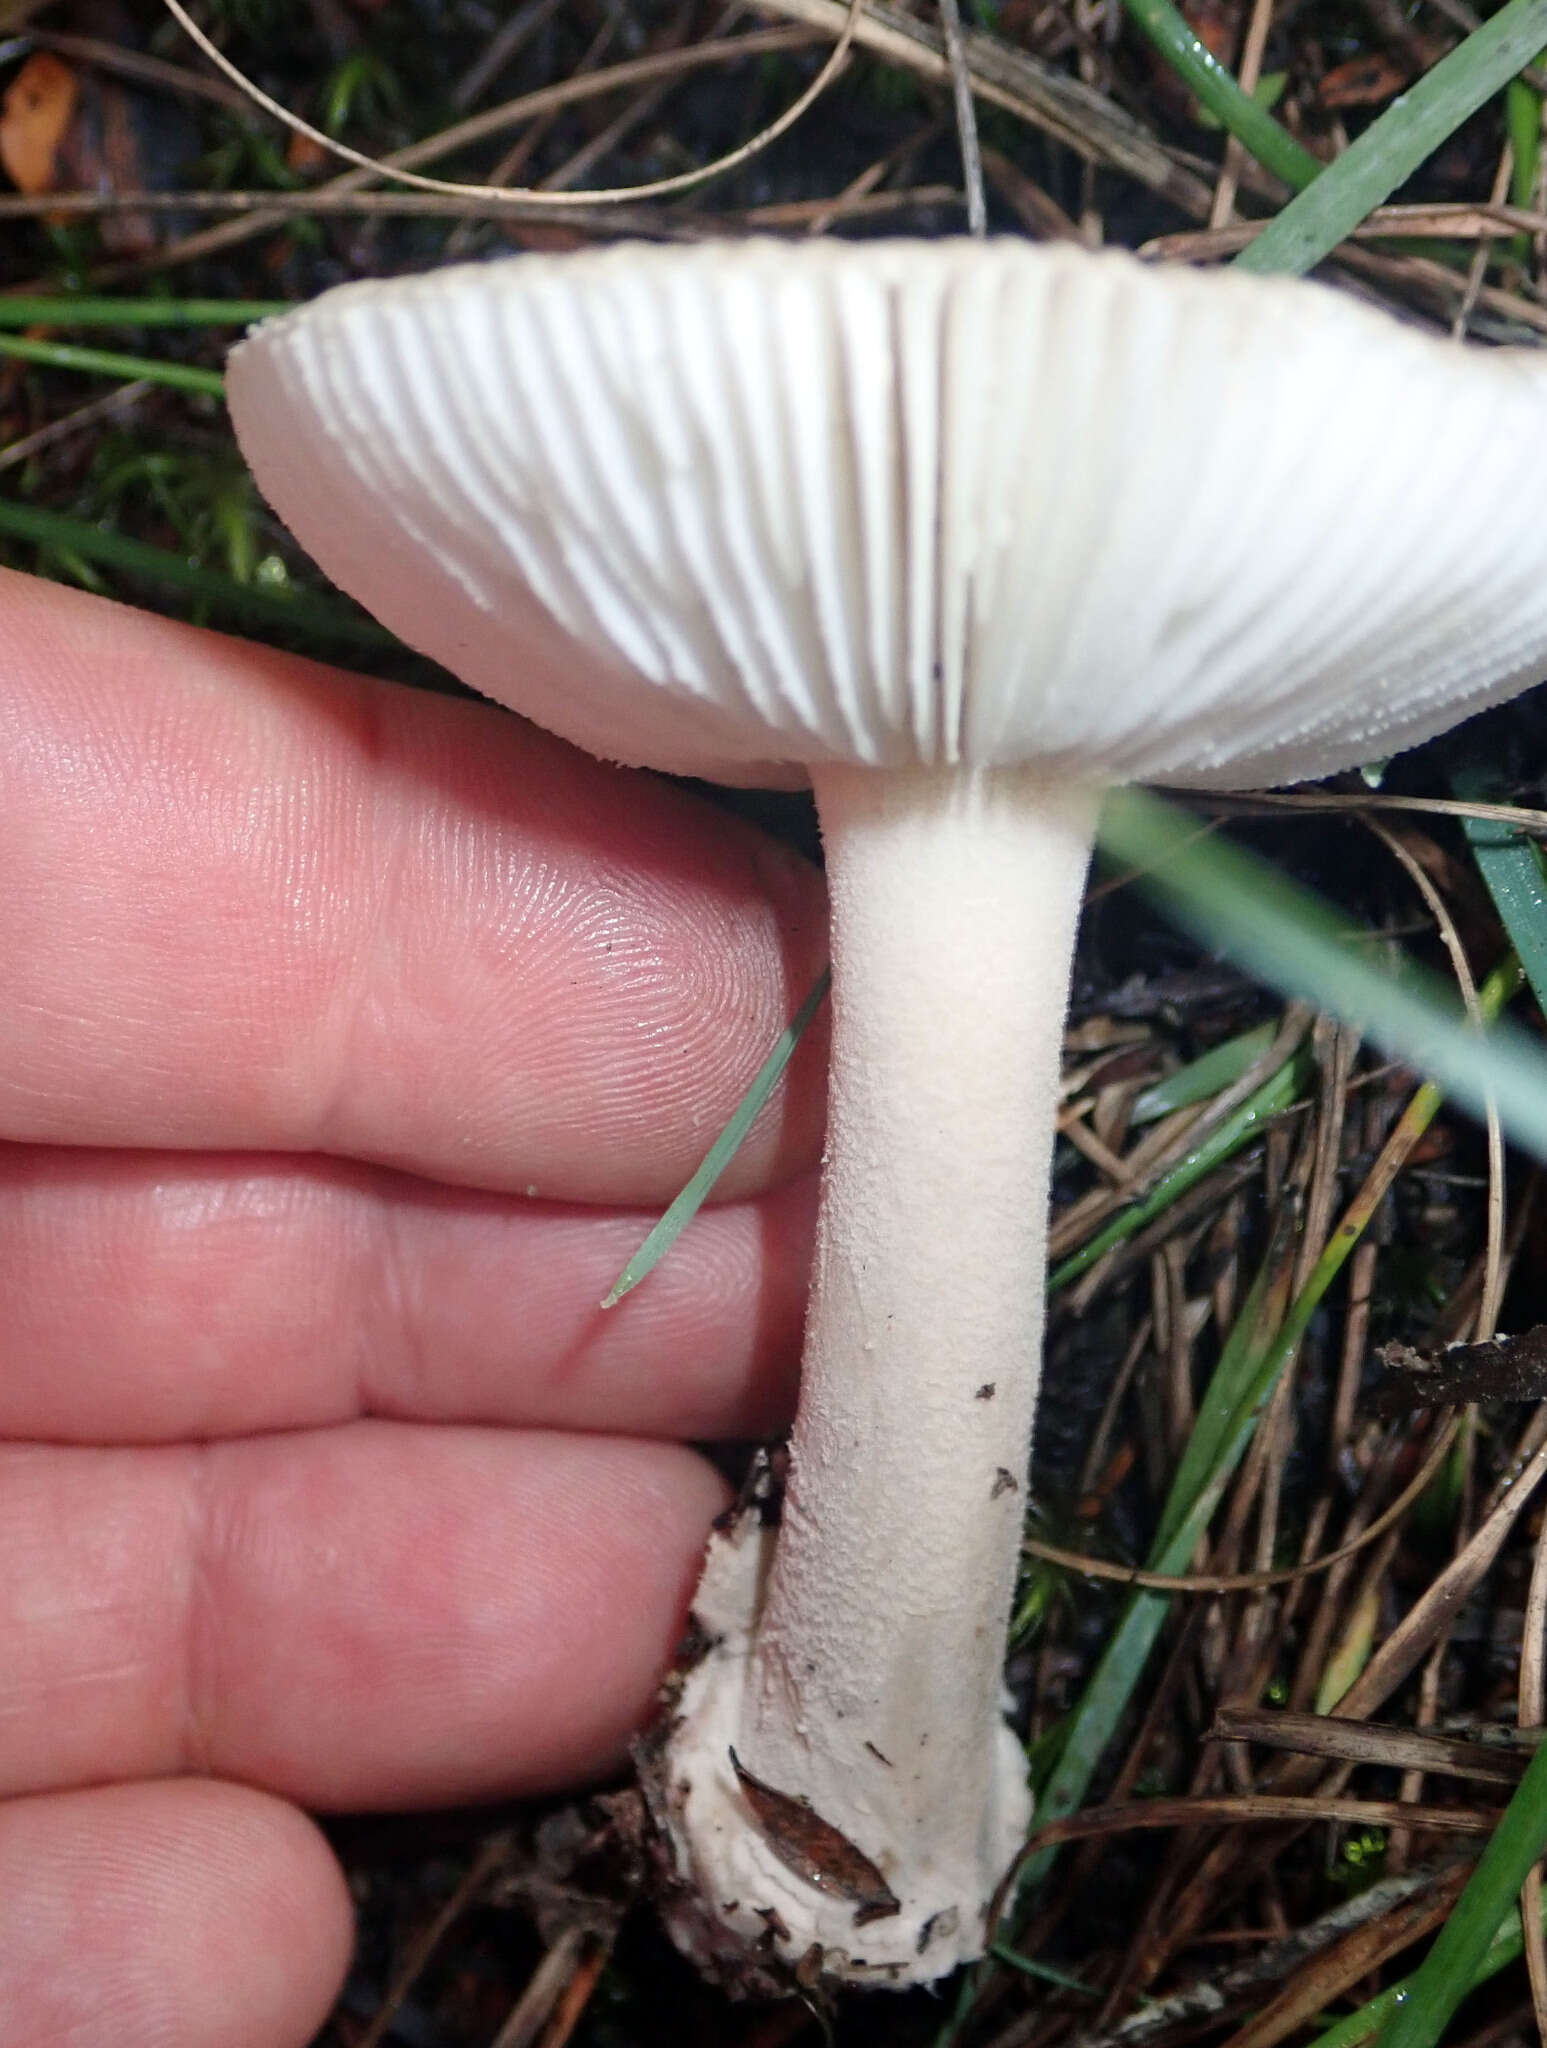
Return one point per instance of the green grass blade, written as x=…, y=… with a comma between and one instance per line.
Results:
x=1250, y=1364
x=1523, y=128
x=1361, y=2026
x=720, y=1153
x=1217, y=91
x=263, y=609
x=1221, y=1067
x=100, y=362
x=1267, y=924
x=1045, y=1972
x=1511, y=867
x=1274, y=1096
x=1450, y=1969
x=1394, y=145
x=1249, y=1369
x=1523, y=125
x=64, y=311
x=1237, y=1389
x=1225, y=1399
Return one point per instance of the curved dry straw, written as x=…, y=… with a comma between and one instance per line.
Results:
x=528, y=195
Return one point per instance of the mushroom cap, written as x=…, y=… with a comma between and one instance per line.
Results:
x=730, y=509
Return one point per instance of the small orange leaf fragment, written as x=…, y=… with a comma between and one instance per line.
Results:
x=306, y=157
x=1365, y=81
x=35, y=117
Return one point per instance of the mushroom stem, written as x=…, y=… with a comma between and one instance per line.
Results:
x=866, y=1679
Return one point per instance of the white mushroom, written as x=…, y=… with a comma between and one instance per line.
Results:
x=966, y=533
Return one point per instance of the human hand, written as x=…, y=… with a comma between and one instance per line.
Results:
x=348, y=1038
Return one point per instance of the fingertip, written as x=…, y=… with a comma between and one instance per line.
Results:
x=181, y=1914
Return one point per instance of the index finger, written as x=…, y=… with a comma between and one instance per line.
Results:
x=254, y=903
